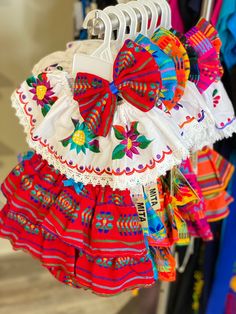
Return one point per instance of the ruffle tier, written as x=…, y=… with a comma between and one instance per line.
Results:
x=89, y=253
x=71, y=266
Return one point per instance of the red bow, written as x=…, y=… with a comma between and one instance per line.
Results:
x=136, y=78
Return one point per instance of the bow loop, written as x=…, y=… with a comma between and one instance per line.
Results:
x=136, y=78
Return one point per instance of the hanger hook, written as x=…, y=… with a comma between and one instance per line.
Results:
x=154, y=13
x=122, y=23
x=133, y=19
x=144, y=15
x=104, y=51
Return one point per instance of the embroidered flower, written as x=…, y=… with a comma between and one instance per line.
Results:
x=104, y=222
x=216, y=97
x=130, y=141
x=81, y=139
x=43, y=92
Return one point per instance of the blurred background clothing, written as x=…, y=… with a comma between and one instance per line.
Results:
x=29, y=30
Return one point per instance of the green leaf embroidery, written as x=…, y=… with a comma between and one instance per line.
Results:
x=94, y=146
x=45, y=110
x=94, y=149
x=119, y=132
x=118, y=152
x=66, y=141
x=31, y=80
x=134, y=126
x=40, y=77
x=144, y=142
x=215, y=91
x=83, y=148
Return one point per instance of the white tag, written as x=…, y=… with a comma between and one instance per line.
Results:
x=153, y=196
x=91, y=64
x=141, y=209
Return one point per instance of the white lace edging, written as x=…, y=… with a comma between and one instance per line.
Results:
x=210, y=134
x=121, y=182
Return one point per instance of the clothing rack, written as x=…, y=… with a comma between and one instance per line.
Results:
x=207, y=8
x=96, y=26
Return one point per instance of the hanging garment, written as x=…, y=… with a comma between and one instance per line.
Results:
x=220, y=294
x=71, y=229
x=99, y=203
x=226, y=27
x=216, y=12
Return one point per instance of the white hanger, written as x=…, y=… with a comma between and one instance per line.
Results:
x=122, y=24
x=165, y=13
x=168, y=13
x=144, y=15
x=155, y=15
x=104, y=51
x=133, y=17
x=101, y=60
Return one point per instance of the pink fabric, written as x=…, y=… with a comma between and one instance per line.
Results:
x=176, y=19
x=216, y=11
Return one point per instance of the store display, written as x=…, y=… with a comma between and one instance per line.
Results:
x=121, y=167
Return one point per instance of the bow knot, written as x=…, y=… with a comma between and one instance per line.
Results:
x=113, y=88
x=136, y=77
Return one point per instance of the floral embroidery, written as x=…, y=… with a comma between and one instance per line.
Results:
x=42, y=90
x=104, y=223
x=81, y=139
x=130, y=141
x=216, y=97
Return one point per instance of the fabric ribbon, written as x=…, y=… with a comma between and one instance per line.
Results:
x=78, y=186
x=136, y=78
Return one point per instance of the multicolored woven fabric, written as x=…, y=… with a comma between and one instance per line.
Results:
x=194, y=212
x=166, y=66
x=208, y=58
x=217, y=205
x=214, y=171
x=136, y=77
x=172, y=46
x=75, y=236
x=194, y=74
x=166, y=265
x=210, y=32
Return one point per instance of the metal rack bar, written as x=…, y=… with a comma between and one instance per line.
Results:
x=96, y=26
x=207, y=9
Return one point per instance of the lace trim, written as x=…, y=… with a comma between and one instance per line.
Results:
x=205, y=133
x=208, y=135
x=122, y=182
